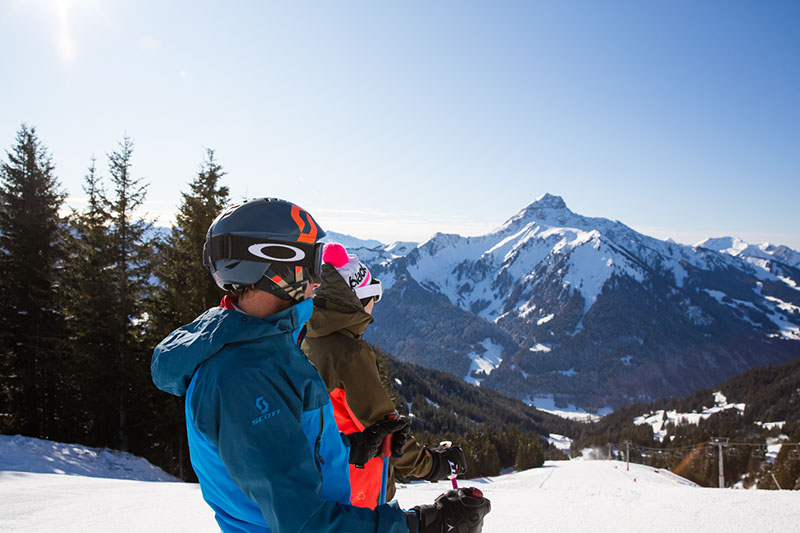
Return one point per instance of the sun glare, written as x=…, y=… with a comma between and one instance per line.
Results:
x=65, y=43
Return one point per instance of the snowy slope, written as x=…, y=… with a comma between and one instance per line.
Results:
x=573, y=496
x=25, y=454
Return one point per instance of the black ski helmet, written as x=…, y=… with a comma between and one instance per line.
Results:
x=267, y=242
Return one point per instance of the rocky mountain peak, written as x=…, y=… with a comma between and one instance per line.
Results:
x=548, y=208
x=548, y=201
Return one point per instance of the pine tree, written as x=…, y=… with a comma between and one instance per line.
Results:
x=86, y=285
x=184, y=289
x=529, y=454
x=482, y=456
x=131, y=254
x=31, y=250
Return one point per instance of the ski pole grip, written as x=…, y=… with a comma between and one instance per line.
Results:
x=386, y=446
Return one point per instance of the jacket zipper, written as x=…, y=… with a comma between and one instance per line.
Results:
x=317, y=456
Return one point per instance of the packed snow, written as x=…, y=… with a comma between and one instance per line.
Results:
x=563, y=496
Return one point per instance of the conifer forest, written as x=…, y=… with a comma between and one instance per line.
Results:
x=87, y=294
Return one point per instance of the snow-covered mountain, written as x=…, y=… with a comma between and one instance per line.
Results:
x=349, y=241
x=586, y=310
x=764, y=251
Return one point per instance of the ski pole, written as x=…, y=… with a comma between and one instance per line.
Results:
x=453, y=474
x=386, y=451
x=453, y=469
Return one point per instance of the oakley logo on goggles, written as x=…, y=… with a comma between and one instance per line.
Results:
x=236, y=247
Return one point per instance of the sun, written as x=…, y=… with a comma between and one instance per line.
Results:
x=65, y=44
x=65, y=18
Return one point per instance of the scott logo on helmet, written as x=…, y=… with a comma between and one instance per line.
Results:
x=304, y=222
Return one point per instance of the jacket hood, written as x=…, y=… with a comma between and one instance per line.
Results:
x=177, y=357
x=336, y=307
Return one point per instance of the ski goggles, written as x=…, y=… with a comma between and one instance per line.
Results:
x=373, y=290
x=229, y=247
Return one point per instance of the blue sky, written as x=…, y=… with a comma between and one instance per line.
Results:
x=394, y=120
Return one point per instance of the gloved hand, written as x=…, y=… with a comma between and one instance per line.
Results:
x=455, y=511
x=367, y=444
x=445, y=459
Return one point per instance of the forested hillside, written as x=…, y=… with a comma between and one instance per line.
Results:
x=755, y=416
x=496, y=431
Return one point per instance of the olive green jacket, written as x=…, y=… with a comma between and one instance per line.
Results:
x=349, y=368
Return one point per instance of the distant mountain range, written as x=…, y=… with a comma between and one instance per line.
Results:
x=349, y=241
x=584, y=310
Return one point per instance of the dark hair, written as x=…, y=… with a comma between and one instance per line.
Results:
x=240, y=290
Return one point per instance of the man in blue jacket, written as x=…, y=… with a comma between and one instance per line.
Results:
x=262, y=435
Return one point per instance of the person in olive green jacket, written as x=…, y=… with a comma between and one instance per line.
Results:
x=342, y=311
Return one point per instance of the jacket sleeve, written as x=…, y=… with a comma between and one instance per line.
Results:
x=255, y=421
x=416, y=462
x=357, y=374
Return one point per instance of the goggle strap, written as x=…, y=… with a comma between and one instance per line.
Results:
x=293, y=291
x=369, y=291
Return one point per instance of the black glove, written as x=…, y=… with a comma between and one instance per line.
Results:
x=367, y=444
x=445, y=459
x=455, y=511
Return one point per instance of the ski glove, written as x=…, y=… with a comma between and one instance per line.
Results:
x=446, y=460
x=455, y=511
x=367, y=444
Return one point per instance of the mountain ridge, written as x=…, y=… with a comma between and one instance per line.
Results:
x=585, y=309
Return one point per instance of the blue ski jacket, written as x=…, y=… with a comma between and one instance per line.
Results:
x=262, y=435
